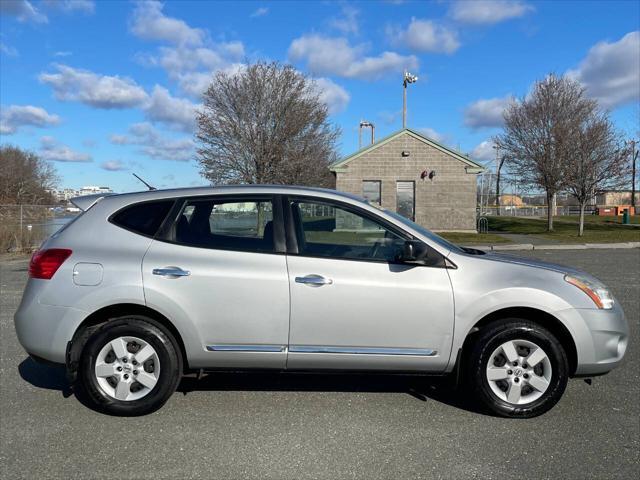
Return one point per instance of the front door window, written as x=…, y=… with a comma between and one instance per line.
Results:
x=326, y=230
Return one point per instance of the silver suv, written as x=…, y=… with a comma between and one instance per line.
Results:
x=142, y=288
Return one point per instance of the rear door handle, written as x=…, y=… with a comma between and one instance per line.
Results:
x=171, y=272
x=314, y=280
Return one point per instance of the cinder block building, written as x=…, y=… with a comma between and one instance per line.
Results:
x=415, y=176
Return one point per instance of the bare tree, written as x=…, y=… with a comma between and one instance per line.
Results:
x=599, y=161
x=24, y=177
x=540, y=131
x=265, y=124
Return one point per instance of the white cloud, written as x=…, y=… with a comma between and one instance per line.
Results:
x=488, y=12
x=150, y=23
x=388, y=117
x=176, y=60
x=8, y=50
x=113, y=166
x=177, y=113
x=335, y=56
x=347, y=23
x=484, y=152
x=260, y=12
x=99, y=91
x=192, y=67
x=486, y=113
x=62, y=53
x=15, y=116
x=52, y=150
x=333, y=95
x=69, y=6
x=156, y=145
x=425, y=36
x=432, y=134
x=23, y=10
x=611, y=71
x=191, y=58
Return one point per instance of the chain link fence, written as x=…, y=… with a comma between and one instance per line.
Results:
x=25, y=227
x=531, y=210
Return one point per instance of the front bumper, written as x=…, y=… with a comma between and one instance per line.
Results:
x=602, y=344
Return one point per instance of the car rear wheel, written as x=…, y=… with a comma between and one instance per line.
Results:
x=129, y=366
x=517, y=368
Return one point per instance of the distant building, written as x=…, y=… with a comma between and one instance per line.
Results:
x=616, y=197
x=64, y=194
x=92, y=190
x=416, y=177
x=511, y=200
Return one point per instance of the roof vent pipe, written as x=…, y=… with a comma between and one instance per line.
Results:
x=365, y=124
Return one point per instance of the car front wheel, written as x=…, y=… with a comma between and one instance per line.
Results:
x=129, y=366
x=518, y=368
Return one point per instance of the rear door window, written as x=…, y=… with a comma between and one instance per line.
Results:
x=143, y=218
x=227, y=225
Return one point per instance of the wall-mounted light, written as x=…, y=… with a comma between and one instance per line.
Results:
x=406, y=153
x=427, y=174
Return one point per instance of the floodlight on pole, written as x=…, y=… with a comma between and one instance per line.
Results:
x=406, y=80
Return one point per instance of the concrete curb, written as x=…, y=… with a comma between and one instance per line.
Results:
x=557, y=246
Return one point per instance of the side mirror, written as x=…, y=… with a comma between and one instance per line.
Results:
x=413, y=251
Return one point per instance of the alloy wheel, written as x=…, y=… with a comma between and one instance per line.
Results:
x=519, y=372
x=127, y=368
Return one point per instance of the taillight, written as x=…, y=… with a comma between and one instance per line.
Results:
x=45, y=263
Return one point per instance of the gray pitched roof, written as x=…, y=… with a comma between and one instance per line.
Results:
x=472, y=167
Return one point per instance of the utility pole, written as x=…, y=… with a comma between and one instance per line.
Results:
x=634, y=157
x=497, y=149
x=407, y=79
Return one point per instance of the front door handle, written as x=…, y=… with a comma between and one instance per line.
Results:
x=171, y=272
x=314, y=280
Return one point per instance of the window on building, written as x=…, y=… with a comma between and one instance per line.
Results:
x=326, y=230
x=228, y=225
x=371, y=190
x=405, y=201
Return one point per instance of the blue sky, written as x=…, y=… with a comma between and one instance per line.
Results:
x=103, y=89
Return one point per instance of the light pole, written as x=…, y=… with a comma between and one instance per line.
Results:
x=634, y=157
x=407, y=79
x=497, y=149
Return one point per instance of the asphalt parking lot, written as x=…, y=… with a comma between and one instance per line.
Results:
x=241, y=426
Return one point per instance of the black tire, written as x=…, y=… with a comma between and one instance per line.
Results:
x=151, y=332
x=489, y=339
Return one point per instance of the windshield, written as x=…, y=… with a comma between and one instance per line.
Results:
x=427, y=233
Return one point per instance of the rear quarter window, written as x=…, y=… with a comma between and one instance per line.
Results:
x=143, y=218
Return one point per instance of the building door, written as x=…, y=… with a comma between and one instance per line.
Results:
x=405, y=199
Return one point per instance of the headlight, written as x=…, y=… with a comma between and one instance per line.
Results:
x=596, y=291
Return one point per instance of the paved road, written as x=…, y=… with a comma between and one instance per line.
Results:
x=312, y=426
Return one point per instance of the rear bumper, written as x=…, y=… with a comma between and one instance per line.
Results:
x=44, y=330
x=605, y=345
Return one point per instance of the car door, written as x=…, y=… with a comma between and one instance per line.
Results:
x=352, y=305
x=218, y=271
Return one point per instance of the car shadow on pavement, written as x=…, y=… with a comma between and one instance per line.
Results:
x=422, y=388
x=51, y=377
